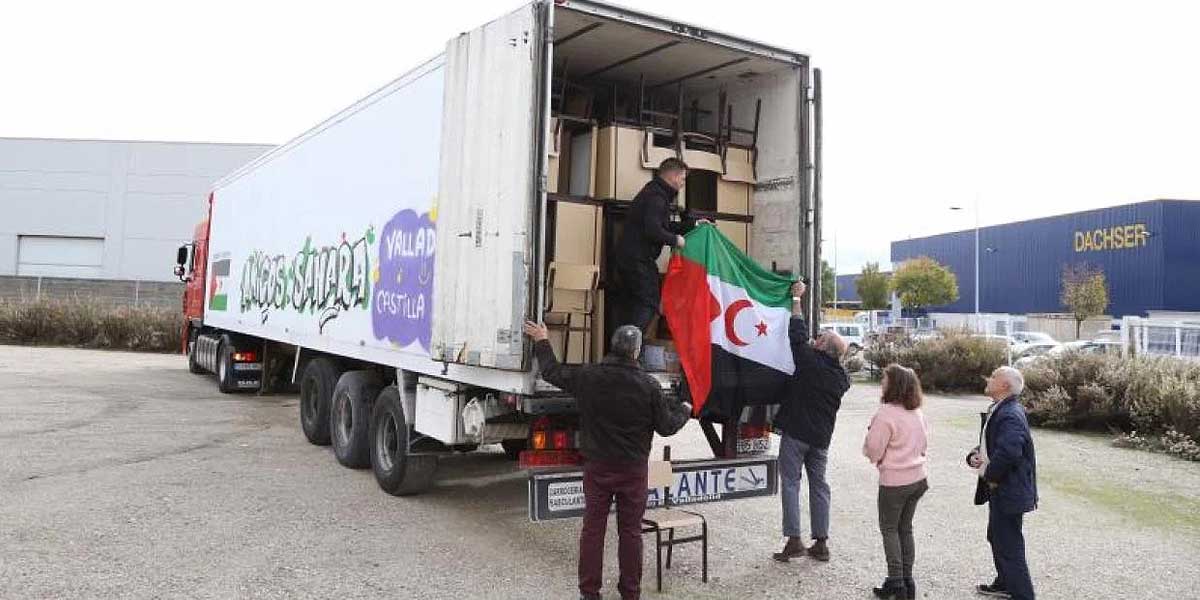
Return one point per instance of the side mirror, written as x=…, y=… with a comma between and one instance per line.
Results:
x=179, y=271
x=181, y=257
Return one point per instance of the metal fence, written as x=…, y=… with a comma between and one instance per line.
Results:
x=1150, y=337
x=107, y=292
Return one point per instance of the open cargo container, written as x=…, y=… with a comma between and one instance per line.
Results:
x=386, y=259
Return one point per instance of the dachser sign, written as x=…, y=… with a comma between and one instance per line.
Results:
x=1121, y=237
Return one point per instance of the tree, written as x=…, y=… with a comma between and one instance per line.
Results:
x=828, y=283
x=1084, y=293
x=872, y=287
x=922, y=282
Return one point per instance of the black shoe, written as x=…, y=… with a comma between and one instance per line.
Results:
x=892, y=589
x=911, y=588
x=793, y=548
x=819, y=550
x=994, y=589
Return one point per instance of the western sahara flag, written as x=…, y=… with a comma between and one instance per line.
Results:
x=729, y=318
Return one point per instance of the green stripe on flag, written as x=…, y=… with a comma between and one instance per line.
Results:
x=710, y=248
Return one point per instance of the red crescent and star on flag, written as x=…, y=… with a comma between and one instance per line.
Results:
x=731, y=314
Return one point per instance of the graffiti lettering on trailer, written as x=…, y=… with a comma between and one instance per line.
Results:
x=325, y=280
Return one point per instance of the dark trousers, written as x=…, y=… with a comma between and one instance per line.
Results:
x=897, y=505
x=640, y=295
x=603, y=483
x=1008, y=552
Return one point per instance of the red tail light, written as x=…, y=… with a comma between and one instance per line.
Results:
x=248, y=356
x=549, y=458
x=560, y=440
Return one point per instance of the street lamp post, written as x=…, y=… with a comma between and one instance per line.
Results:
x=976, y=256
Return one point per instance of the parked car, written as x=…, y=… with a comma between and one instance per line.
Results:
x=1026, y=350
x=1003, y=339
x=1082, y=346
x=1029, y=337
x=855, y=334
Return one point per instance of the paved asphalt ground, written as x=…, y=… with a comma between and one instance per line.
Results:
x=124, y=476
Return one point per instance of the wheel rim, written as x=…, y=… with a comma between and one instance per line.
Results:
x=221, y=367
x=308, y=401
x=345, y=420
x=387, y=443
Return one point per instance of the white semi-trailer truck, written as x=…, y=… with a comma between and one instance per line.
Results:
x=385, y=260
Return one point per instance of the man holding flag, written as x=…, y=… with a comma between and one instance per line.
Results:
x=743, y=341
x=729, y=318
x=806, y=419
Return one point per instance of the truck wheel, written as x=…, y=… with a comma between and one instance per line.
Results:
x=193, y=366
x=397, y=472
x=316, y=390
x=350, y=417
x=513, y=448
x=225, y=379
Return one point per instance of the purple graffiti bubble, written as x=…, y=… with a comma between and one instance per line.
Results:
x=402, y=300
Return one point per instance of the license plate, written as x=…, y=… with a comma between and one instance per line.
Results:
x=754, y=445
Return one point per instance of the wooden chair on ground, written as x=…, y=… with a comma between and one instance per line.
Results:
x=658, y=520
x=571, y=293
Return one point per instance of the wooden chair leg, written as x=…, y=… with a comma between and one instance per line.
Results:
x=670, y=545
x=658, y=554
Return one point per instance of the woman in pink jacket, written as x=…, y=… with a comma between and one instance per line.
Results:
x=896, y=442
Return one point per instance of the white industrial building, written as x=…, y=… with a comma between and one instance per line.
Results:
x=108, y=210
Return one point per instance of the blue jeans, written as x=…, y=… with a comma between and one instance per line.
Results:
x=794, y=454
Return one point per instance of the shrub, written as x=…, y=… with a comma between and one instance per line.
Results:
x=90, y=325
x=956, y=361
x=853, y=363
x=1155, y=399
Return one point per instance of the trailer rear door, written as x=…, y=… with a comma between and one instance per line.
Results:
x=485, y=207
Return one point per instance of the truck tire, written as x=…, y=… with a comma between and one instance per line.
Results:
x=513, y=448
x=350, y=417
x=316, y=390
x=225, y=379
x=396, y=472
x=193, y=366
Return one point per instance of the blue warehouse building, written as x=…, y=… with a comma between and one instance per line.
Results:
x=1149, y=253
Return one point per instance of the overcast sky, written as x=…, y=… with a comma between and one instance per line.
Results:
x=1036, y=108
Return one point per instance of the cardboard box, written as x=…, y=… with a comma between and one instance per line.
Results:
x=739, y=165
x=733, y=197
x=619, y=170
x=737, y=232
x=577, y=231
x=579, y=350
x=554, y=155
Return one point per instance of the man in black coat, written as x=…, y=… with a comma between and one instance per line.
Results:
x=620, y=410
x=806, y=419
x=648, y=227
x=1007, y=468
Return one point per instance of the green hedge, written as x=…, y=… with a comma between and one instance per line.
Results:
x=90, y=325
x=956, y=362
x=1153, y=401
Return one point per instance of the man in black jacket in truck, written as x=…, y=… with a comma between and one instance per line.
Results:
x=620, y=410
x=648, y=227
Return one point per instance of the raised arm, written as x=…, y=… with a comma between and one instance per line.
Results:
x=564, y=377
